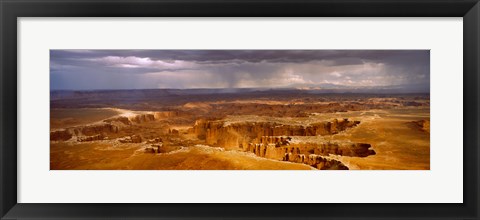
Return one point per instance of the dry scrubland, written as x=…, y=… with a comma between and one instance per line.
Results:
x=238, y=130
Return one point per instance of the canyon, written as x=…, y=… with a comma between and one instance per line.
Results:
x=266, y=130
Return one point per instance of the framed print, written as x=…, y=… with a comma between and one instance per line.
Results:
x=268, y=109
x=240, y=109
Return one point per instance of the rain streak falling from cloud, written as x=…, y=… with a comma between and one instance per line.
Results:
x=184, y=69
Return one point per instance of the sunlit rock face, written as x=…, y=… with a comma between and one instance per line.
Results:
x=87, y=130
x=166, y=114
x=277, y=151
x=142, y=118
x=90, y=130
x=216, y=133
x=100, y=130
x=90, y=138
x=122, y=120
x=281, y=149
x=272, y=140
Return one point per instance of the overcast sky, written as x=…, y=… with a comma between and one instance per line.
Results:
x=183, y=69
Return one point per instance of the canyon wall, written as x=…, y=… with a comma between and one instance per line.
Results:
x=233, y=135
x=278, y=151
x=99, y=130
x=273, y=140
x=166, y=114
x=313, y=154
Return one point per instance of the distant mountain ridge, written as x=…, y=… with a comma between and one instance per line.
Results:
x=308, y=89
x=169, y=95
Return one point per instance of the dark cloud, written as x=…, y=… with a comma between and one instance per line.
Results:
x=126, y=69
x=281, y=56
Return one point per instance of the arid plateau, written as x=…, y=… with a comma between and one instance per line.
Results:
x=238, y=129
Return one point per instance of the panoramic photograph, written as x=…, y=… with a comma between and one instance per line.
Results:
x=239, y=110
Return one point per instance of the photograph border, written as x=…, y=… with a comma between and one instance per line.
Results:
x=11, y=10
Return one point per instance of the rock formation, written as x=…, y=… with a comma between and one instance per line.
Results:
x=154, y=141
x=166, y=114
x=131, y=139
x=232, y=135
x=62, y=135
x=323, y=163
x=154, y=148
x=101, y=129
x=423, y=125
x=272, y=140
x=123, y=120
x=142, y=118
x=90, y=138
x=82, y=131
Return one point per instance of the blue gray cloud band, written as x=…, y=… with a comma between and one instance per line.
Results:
x=184, y=69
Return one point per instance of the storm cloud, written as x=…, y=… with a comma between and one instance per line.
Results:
x=183, y=69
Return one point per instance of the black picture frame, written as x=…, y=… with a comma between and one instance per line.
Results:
x=10, y=10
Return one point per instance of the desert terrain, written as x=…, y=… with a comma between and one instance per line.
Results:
x=238, y=129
